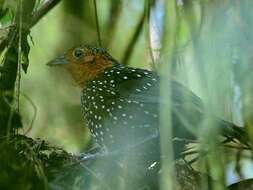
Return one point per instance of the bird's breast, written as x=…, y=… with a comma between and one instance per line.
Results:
x=115, y=119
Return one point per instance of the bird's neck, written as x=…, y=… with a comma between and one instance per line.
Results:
x=85, y=73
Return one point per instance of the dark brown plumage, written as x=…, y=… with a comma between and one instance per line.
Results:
x=121, y=104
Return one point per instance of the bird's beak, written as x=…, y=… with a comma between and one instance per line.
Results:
x=61, y=60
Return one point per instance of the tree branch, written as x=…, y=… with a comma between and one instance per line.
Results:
x=44, y=9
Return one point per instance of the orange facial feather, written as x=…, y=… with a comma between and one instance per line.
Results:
x=87, y=67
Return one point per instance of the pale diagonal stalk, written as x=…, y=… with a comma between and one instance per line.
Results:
x=148, y=33
x=207, y=55
x=167, y=180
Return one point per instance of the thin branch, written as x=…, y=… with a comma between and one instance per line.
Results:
x=97, y=23
x=18, y=78
x=34, y=115
x=44, y=9
x=134, y=39
x=115, y=11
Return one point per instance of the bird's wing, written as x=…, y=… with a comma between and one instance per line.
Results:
x=187, y=108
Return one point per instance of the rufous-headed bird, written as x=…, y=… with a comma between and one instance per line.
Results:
x=121, y=104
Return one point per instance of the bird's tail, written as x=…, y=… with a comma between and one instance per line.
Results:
x=235, y=133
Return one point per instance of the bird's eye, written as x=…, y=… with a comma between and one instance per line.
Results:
x=78, y=53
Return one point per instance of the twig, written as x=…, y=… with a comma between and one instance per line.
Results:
x=97, y=23
x=35, y=112
x=44, y=9
x=18, y=78
x=237, y=147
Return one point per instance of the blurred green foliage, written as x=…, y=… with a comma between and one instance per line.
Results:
x=210, y=51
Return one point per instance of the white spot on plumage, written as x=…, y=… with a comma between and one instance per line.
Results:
x=125, y=77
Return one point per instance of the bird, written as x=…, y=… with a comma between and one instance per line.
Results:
x=120, y=104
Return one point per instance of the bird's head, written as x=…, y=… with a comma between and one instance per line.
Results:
x=84, y=62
